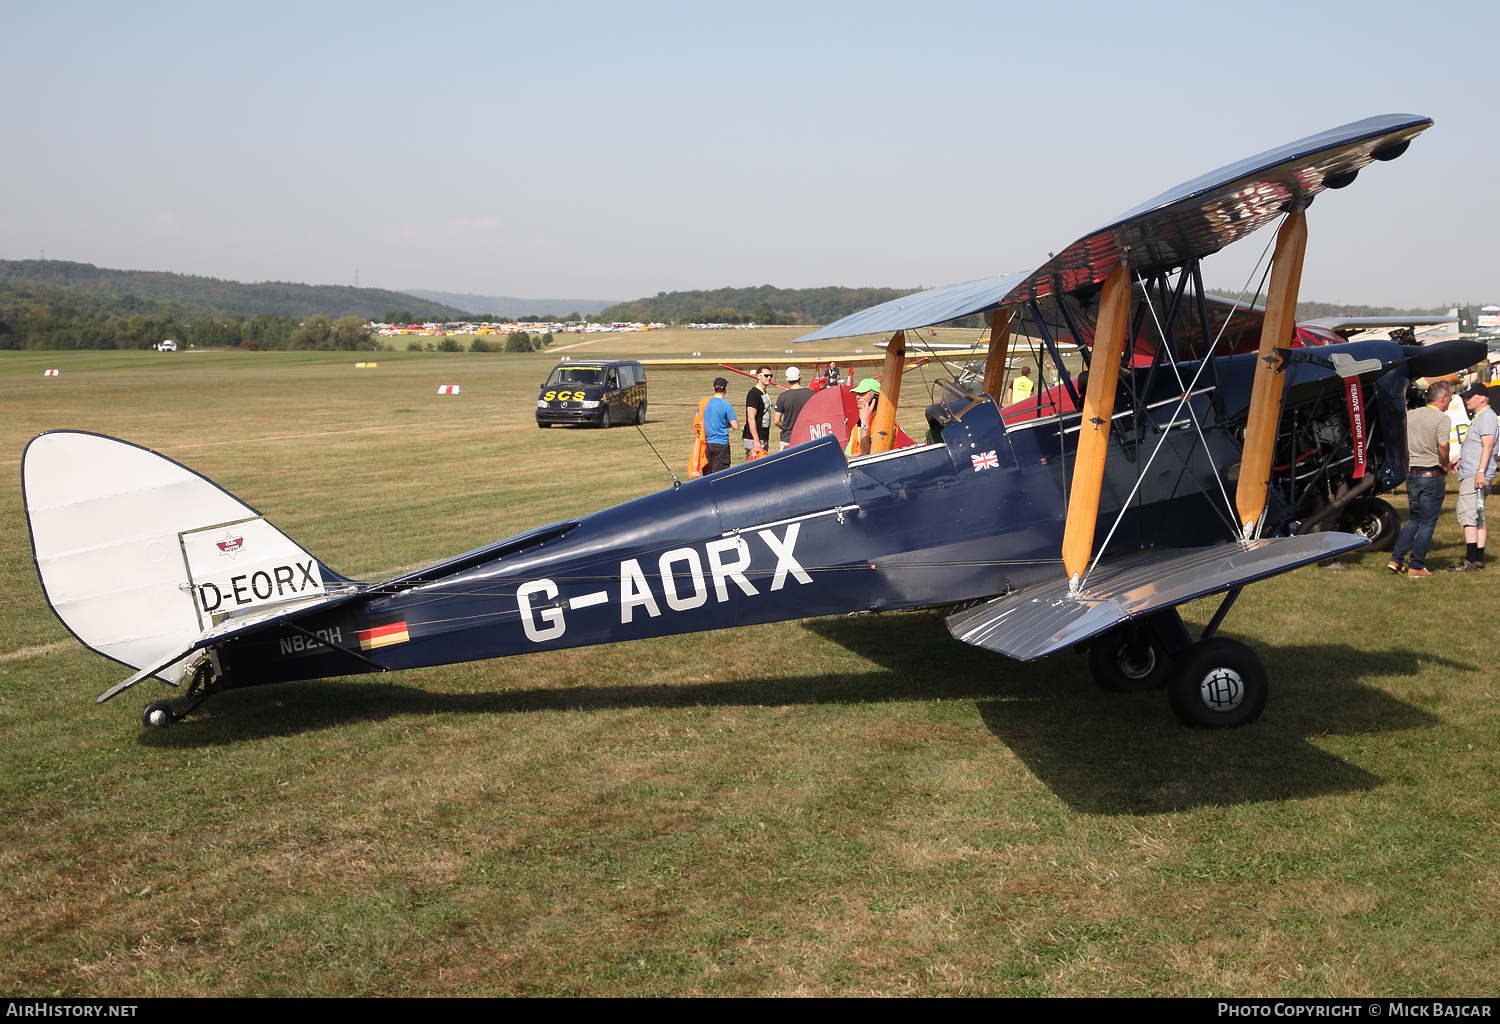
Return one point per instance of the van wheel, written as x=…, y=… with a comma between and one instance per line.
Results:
x=640, y=414
x=544, y=426
x=1217, y=684
x=604, y=420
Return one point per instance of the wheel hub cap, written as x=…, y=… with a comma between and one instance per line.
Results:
x=1222, y=689
x=1136, y=663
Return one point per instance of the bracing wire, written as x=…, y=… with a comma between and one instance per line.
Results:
x=1184, y=400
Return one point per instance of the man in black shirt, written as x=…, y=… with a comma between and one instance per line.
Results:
x=789, y=403
x=758, y=413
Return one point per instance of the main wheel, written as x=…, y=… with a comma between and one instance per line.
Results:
x=1129, y=659
x=1217, y=684
x=157, y=716
x=604, y=420
x=640, y=414
x=1377, y=520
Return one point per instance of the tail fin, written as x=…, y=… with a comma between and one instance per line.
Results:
x=139, y=556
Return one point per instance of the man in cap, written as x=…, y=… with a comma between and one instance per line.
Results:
x=718, y=420
x=867, y=396
x=1476, y=469
x=789, y=403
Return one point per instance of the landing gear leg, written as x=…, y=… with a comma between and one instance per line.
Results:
x=1217, y=683
x=202, y=686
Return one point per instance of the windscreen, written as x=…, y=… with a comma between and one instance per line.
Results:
x=576, y=375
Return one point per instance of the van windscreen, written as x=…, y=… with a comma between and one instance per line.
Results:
x=576, y=375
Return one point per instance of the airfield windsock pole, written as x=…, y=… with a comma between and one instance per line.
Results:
x=883, y=430
x=1276, y=331
x=999, y=357
x=1093, y=435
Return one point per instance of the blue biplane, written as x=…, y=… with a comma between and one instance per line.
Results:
x=1201, y=448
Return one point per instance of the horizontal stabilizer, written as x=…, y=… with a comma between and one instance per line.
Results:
x=1043, y=619
x=171, y=665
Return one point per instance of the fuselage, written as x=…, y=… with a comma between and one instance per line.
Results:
x=801, y=533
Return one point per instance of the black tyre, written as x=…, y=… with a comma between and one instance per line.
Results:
x=1130, y=659
x=640, y=414
x=1376, y=520
x=157, y=716
x=604, y=420
x=544, y=426
x=1217, y=684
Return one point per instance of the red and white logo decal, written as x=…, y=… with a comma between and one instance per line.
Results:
x=230, y=545
x=985, y=460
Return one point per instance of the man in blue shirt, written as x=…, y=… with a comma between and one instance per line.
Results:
x=718, y=421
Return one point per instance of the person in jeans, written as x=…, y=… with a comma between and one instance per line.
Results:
x=1426, y=482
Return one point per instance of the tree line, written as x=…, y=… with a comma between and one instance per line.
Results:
x=42, y=317
x=765, y=304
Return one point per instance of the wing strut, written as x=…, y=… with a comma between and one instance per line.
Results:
x=1266, y=394
x=1093, y=435
x=999, y=356
x=883, y=430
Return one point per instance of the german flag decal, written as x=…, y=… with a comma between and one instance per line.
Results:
x=384, y=635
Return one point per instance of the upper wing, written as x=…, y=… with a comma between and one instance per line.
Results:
x=1193, y=220
x=1344, y=326
x=934, y=306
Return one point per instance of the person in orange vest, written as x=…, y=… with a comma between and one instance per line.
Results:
x=698, y=459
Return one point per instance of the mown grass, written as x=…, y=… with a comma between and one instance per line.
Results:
x=851, y=805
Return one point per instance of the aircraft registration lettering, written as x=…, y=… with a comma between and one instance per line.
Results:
x=684, y=583
x=553, y=617
x=242, y=590
x=296, y=643
x=247, y=565
x=669, y=579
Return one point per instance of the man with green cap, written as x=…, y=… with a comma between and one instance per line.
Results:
x=868, y=397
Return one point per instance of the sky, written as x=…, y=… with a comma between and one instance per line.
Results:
x=618, y=150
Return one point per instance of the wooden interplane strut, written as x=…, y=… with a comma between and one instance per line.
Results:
x=1265, y=396
x=1093, y=435
x=883, y=430
x=999, y=357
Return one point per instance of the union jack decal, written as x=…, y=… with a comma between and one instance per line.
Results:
x=985, y=460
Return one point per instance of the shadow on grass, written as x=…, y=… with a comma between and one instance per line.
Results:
x=1100, y=752
x=1109, y=753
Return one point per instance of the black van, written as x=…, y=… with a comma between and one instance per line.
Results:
x=597, y=392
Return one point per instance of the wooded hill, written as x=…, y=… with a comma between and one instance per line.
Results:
x=766, y=304
x=42, y=317
x=190, y=292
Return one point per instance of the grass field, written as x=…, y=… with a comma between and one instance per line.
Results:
x=833, y=806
